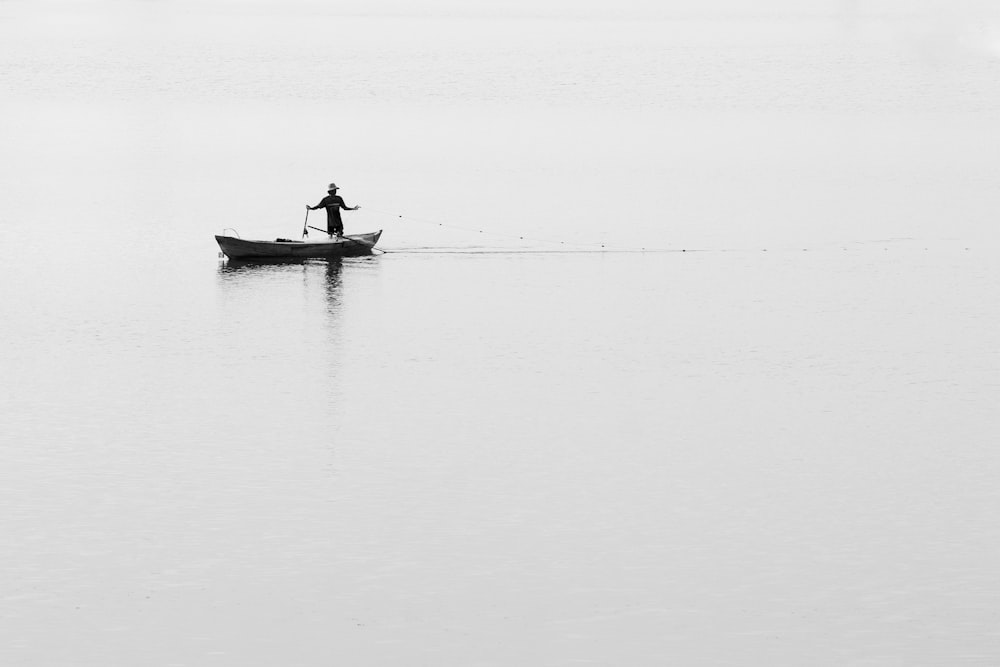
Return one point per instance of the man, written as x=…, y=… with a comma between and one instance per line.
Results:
x=333, y=203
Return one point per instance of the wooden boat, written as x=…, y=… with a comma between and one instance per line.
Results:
x=341, y=246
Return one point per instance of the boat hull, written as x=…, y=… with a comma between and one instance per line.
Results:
x=344, y=246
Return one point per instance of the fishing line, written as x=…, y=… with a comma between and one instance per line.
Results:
x=581, y=247
x=596, y=247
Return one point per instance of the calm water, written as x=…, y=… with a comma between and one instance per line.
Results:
x=775, y=448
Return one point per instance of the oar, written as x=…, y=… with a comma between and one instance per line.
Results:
x=348, y=239
x=305, y=232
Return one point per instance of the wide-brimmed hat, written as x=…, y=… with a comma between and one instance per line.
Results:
x=332, y=186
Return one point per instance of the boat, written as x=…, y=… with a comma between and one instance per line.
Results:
x=340, y=246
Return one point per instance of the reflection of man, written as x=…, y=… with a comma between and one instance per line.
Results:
x=333, y=203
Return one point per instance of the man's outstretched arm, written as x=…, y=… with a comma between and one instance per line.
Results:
x=322, y=204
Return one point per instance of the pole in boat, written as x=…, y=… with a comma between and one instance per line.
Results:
x=305, y=225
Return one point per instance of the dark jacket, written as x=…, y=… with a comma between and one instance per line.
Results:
x=333, y=204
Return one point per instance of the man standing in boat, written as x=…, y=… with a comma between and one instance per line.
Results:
x=333, y=203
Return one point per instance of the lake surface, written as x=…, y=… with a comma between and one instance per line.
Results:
x=684, y=349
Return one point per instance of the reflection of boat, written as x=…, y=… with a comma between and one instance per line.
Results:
x=341, y=246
